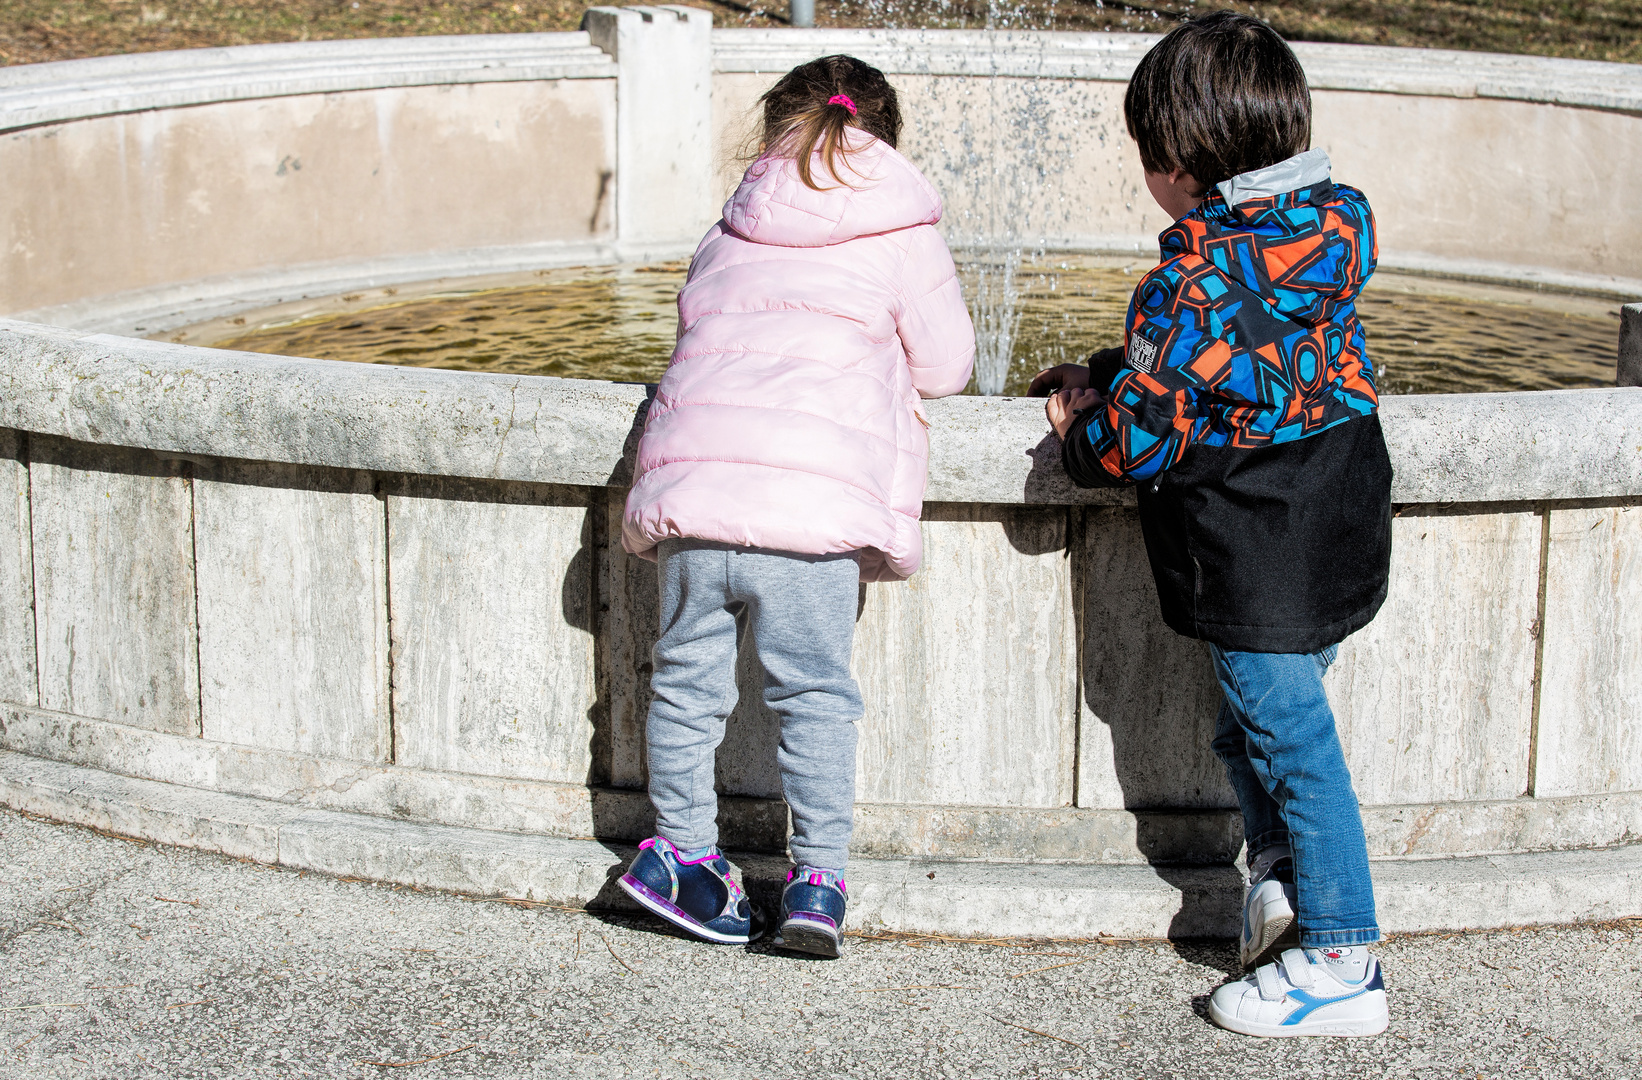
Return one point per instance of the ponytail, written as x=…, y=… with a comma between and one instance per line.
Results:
x=811, y=108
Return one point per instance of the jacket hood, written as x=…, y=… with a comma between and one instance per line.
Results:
x=1288, y=233
x=881, y=192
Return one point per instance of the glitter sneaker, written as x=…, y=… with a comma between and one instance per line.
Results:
x=696, y=894
x=1333, y=991
x=812, y=911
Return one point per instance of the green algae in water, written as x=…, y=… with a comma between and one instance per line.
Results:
x=619, y=324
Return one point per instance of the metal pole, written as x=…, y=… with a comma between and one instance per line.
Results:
x=802, y=13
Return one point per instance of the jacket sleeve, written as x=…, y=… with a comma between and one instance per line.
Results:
x=933, y=322
x=1077, y=453
x=1157, y=406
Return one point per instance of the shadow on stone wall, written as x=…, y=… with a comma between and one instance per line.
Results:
x=1150, y=701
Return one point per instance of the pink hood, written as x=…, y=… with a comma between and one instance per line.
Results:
x=810, y=325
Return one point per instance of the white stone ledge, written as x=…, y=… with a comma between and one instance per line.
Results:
x=32, y=94
x=178, y=399
x=920, y=896
x=1112, y=58
x=1607, y=286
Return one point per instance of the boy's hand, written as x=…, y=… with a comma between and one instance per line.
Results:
x=1063, y=407
x=1060, y=377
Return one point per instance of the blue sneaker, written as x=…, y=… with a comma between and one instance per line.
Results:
x=696, y=894
x=812, y=911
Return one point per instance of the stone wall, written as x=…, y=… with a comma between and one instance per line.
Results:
x=401, y=592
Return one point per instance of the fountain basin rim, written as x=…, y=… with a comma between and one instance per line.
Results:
x=64, y=90
x=164, y=308
x=187, y=401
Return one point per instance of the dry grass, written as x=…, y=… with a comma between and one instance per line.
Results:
x=37, y=30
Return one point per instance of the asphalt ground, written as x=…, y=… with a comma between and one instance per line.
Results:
x=127, y=959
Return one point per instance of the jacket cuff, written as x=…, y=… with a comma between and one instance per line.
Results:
x=1078, y=456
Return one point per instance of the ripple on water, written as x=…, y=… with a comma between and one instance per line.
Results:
x=1425, y=335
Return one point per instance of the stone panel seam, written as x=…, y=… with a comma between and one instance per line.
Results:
x=25, y=451
x=387, y=601
x=194, y=569
x=1539, y=650
x=1077, y=551
x=596, y=542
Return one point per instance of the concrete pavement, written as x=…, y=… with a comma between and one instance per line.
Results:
x=122, y=959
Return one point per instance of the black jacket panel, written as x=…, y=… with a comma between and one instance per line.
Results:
x=1277, y=549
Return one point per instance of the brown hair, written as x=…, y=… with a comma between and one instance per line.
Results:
x=1219, y=96
x=798, y=118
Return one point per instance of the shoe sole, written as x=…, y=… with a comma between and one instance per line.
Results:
x=1277, y=934
x=810, y=936
x=657, y=904
x=1278, y=931
x=1333, y=1027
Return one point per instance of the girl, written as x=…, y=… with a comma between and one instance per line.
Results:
x=783, y=461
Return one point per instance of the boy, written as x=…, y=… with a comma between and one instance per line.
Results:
x=1243, y=405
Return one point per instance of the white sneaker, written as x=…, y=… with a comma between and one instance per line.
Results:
x=1306, y=992
x=1268, y=922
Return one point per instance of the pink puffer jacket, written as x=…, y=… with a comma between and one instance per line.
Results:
x=811, y=322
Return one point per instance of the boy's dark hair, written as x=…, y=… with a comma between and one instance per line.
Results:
x=798, y=117
x=1219, y=96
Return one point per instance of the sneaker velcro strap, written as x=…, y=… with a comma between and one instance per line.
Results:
x=1270, y=986
x=1297, y=968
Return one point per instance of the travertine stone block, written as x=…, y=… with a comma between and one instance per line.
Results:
x=257, y=187
x=114, y=584
x=1434, y=697
x=1590, y=700
x=969, y=668
x=954, y=713
x=493, y=644
x=293, y=609
x=1149, y=695
x=18, y=680
x=628, y=624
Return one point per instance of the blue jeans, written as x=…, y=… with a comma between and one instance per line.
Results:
x=1276, y=736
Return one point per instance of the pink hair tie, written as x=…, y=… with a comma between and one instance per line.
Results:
x=840, y=99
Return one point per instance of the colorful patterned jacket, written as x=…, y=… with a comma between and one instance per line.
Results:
x=1244, y=402
x=1246, y=334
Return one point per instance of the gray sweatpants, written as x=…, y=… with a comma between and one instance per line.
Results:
x=801, y=612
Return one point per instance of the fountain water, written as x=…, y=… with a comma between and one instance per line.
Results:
x=993, y=160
